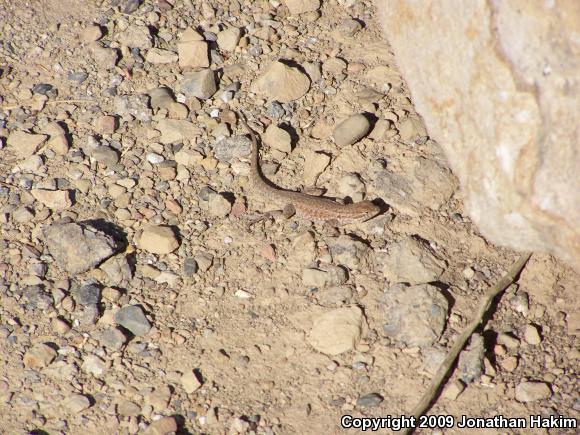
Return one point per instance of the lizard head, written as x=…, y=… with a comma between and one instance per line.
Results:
x=363, y=211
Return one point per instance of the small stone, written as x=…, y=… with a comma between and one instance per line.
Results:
x=532, y=335
x=163, y=426
x=471, y=360
x=508, y=340
x=193, y=54
x=351, y=130
x=42, y=88
x=77, y=403
x=59, y=326
x=31, y=164
x=76, y=248
x=228, y=39
x=53, y=199
x=282, y=83
x=158, y=239
x=348, y=27
x=176, y=130
x=453, y=390
x=189, y=266
x=91, y=33
x=160, y=98
x=412, y=130
x=112, y=338
x=78, y=77
x=133, y=319
x=415, y=315
x=278, y=138
x=159, y=56
x=337, y=331
x=23, y=215
x=190, y=382
x=323, y=278
x=136, y=37
x=94, y=365
x=369, y=400
x=105, y=58
x=106, y=124
x=25, y=144
x=532, y=391
x=200, y=84
x=301, y=6
x=314, y=165
x=87, y=294
x=134, y=105
x=39, y=356
x=230, y=148
x=128, y=409
x=509, y=364
x=218, y=205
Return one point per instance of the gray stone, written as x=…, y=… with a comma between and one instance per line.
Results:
x=532, y=391
x=199, y=84
x=471, y=360
x=351, y=130
x=87, y=294
x=229, y=148
x=133, y=319
x=112, y=338
x=369, y=400
x=77, y=248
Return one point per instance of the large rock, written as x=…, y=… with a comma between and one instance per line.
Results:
x=499, y=88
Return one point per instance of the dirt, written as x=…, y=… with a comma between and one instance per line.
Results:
x=227, y=346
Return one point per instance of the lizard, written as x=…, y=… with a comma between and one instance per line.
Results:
x=314, y=208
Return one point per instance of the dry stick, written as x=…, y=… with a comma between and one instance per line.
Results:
x=492, y=292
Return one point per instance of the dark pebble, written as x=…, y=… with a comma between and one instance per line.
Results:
x=88, y=294
x=78, y=77
x=189, y=266
x=369, y=400
x=42, y=88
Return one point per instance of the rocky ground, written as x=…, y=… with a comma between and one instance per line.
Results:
x=145, y=288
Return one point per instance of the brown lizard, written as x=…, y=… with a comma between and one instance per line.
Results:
x=314, y=208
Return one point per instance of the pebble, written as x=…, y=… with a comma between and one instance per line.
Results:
x=59, y=326
x=136, y=105
x=77, y=248
x=127, y=408
x=351, y=130
x=199, y=84
x=322, y=278
x=278, y=138
x=176, y=130
x=282, y=83
x=39, y=356
x=532, y=335
x=349, y=27
x=133, y=319
x=53, y=199
x=106, y=124
x=159, y=56
x=369, y=400
x=105, y=58
x=337, y=331
x=509, y=364
x=25, y=144
x=230, y=148
x=78, y=76
x=77, y=403
x=218, y=205
x=42, y=88
x=192, y=50
x=228, y=39
x=91, y=33
x=190, y=382
x=453, y=390
x=471, y=359
x=314, y=165
x=158, y=239
x=94, y=365
x=508, y=340
x=410, y=261
x=532, y=391
x=136, y=36
x=412, y=130
x=112, y=338
x=415, y=315
x=297, y=7
x=87, y=294
x=163, y=426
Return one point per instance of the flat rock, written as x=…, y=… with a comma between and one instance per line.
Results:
x=53, y=199
x=159, y=56
x=314, y=164
x=133, y=319
x=105, y=58
x=415, y=315
x=229, y=148
x=76, y=403
x=532, y=391
x=135, y=105
x=158, y=239
x=25, y=144
x=228, y=39
x=176, y=130
x=136, y=37
x=278, y=138
x=301, y=6
x=470, y=363
x=409, y=261
x=199, y=84
x=351, y=130
x=337, y=331
x=193, y=54
x=163, y=426
x=190, y=382
x=39, y=356
x=77, y=248
x=282, y=83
